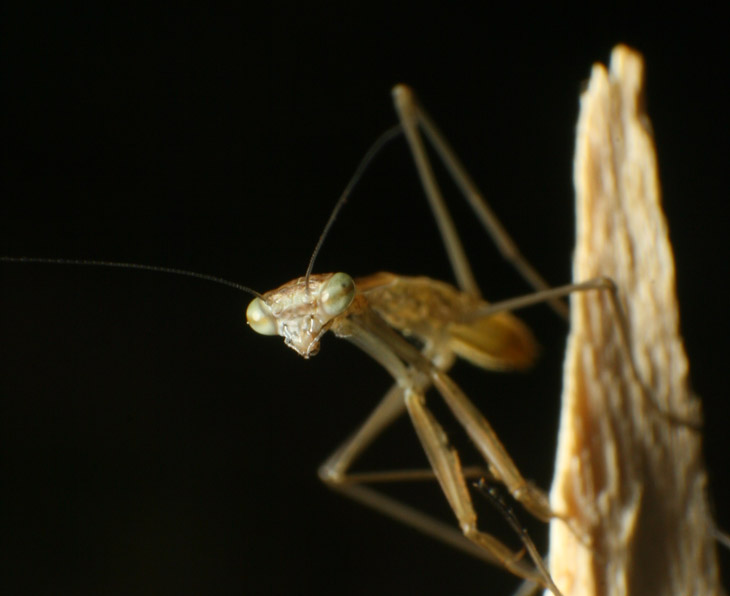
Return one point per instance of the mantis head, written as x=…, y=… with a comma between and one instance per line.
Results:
x=301, y=314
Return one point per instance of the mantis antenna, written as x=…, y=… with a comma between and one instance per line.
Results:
x=139, y=266
x=379, y=143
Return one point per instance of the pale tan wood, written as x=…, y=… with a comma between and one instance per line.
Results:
x=629, y=477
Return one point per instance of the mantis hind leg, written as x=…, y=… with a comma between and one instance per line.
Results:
x=412, y=117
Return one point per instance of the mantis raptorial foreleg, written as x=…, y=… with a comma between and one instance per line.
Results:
x=414, y=374
x=392, y=351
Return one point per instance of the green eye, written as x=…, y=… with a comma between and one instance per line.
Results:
x=260, y=319
x=337, y=294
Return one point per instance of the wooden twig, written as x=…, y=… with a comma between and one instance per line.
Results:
x=629, y=467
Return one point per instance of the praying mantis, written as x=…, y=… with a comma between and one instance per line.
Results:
x=446, y=323
x=520, y=353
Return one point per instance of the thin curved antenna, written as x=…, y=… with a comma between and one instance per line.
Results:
x=118, y=265
x=380, y=142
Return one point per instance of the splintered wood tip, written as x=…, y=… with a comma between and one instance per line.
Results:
x=629, y=468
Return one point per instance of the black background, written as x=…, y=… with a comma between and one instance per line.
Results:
x=151, y=442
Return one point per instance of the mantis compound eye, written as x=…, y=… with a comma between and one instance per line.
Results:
x=337, y=294
x=260, y=318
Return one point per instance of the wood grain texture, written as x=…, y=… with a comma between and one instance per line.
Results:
x=633, y=480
